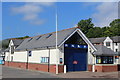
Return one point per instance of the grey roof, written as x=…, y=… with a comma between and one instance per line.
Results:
x=17, y=42
x=45, y=40
x=100, y=40
x=103, y=50
x=97, y=40
x=6, y=50
x=116, y=39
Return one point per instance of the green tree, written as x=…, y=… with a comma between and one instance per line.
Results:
x=115, y=27
x=85, y=25
x=94, y=32
x=23, y=37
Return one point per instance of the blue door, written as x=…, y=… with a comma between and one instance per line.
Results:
x=75, y=59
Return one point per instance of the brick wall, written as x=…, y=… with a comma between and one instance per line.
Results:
x=52, y=68
x=89, y=67
x=98, y=68
x=35, y=66
x=6, y=63
x=110, y=68
x=16, y=64
x=39, y=67
x=106, y=68
x=61, y=69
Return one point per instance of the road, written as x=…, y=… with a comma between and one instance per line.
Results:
x=8, y=72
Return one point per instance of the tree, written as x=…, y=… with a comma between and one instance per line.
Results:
x=115, y=27
x=94, y=32
x=85, y=25
x=4, y=43
x=22, y=37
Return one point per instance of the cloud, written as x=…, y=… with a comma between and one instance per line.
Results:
x=105, y=13
x=31, y=11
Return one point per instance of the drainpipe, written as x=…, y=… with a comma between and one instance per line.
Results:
x=27, y=60
x=48, y=60
x=93, y=67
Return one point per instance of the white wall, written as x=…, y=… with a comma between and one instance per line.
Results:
x=116, y=46
x=20, y=56
x=111, y=43
x=6, y=56
x=90, y=56
x=36, y=56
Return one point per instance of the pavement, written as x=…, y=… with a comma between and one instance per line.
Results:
x=87, y=74
x=9, y=72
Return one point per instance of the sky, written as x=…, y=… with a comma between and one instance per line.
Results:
x=31, y=19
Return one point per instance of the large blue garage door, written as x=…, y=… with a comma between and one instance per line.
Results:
x=76, y=59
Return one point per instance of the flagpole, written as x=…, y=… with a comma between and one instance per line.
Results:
x=56, y=43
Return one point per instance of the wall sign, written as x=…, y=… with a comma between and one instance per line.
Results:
x=75, y=46
x=29, y=53
x=75, y=62
x=116, y=57
x=61, y=60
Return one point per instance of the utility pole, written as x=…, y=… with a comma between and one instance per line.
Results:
x=27, y=59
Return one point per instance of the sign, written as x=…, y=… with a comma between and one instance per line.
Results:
x=75, y=62
x=116, y=57
x=76, y=46
x=61, y=60
x=29, y=53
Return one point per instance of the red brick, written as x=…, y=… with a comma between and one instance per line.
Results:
x=35, y=66
x=106, y=68
x=89, y=67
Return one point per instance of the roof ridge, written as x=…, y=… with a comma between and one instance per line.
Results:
x=54, y=32
x=16, y=39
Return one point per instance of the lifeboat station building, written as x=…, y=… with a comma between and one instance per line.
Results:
x=74, y=52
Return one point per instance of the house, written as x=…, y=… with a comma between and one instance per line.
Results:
x=110, y=42
x=74, y=52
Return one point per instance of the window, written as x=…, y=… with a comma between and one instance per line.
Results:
x=107, y=43
x=116, y=50
x=44, y=59
x=30, y=39
x=98, y=60
x=49, y=35
x=38, y=38
x=116, y=44
x=29, y=53
x=12, y=49
x=104, y=59
x=61, y=60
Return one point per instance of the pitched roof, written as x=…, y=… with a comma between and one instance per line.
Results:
x=100, y=40
x=17, y=42
x=115, y=38
x=6, y=50
x=97, y=40
x=45, y=40
x=103, y=50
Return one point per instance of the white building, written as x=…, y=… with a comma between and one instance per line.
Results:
x=74, y=53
